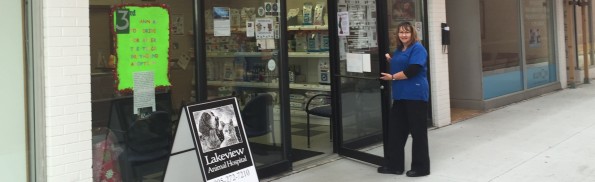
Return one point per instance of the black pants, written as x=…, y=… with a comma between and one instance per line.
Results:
x=408, y=117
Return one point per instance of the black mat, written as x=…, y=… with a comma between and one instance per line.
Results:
x=261, y=151
x=299, y=154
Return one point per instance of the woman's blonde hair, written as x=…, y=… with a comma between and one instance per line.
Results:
x=406, y=26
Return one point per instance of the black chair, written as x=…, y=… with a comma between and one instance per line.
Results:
x=324, y=110
x=146, y=141
x=257, y=116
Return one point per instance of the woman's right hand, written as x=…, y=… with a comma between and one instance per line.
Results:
x=387, y=57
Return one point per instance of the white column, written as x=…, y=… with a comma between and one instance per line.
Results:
x=68, y=90
x=439, y=64
x=561, y=42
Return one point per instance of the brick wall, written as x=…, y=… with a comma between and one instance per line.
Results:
x=439, y=64
x=68, y=90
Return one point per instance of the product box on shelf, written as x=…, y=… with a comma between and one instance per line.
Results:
x=292, y=16
x=318, y=18
x=314, y=42
x=307, y=13
x=301, y=42
x=291, y=45
x=324, y=41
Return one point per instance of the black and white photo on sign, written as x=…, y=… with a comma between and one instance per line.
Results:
x=217, y=128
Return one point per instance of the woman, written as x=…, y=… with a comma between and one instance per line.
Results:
x=408, y=69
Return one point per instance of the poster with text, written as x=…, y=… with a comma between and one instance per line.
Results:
x=264, y=28
x=142, y=35
x=221, y=141
x=343, y=18
x=144, y=94
x=222, y=22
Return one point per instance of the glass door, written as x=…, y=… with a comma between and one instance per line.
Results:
x=361, y=95
x=243, y=59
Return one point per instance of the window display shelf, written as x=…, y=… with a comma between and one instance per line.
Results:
x=260, y=54
x=307, y=27
x=308, y=54
x=317, y=87
x=232, y=30
x=235, y=54
x=297, y=86
x=243, y=84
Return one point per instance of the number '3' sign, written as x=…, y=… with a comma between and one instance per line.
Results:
x=122, y=24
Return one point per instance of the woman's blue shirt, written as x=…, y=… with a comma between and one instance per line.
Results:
x=416, y=87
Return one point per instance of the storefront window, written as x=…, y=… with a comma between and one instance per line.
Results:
x=500, y=44
x=143, y=69
x=502, y=56
x=538, y=43
x=242, y=46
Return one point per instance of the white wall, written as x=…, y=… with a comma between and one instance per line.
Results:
x=13, y=152
x=68, y=91
x=439, y=64
x=465, y=52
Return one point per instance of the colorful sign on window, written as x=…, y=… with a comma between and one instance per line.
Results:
x=142, y=43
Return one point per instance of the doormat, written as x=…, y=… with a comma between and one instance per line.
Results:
x=297, y=154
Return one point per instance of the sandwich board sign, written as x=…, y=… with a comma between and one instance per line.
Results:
x=210, y=145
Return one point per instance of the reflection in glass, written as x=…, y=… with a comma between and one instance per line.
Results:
x=361, y=113
x=242, y=57
x=540, y=61
x=361, y=106
x=500, y=48
x=400, y=11
x=129, y=146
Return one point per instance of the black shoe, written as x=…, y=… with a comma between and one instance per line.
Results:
x=385, y=170
x=414, y=173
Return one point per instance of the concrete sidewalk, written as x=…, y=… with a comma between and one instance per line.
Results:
x=549, y=138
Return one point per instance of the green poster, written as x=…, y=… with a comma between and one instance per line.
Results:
x=142, y=43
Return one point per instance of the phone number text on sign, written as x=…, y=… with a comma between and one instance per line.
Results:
x=239, y=175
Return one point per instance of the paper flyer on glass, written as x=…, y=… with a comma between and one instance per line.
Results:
x=343, y=18
x=264, y=28
x=221, y=21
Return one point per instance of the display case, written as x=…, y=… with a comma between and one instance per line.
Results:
x=243, y=57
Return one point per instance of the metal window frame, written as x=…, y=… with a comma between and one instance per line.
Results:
x=35, y=90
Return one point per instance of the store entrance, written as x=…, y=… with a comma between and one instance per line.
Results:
x=360, y=96
x=309, y=81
